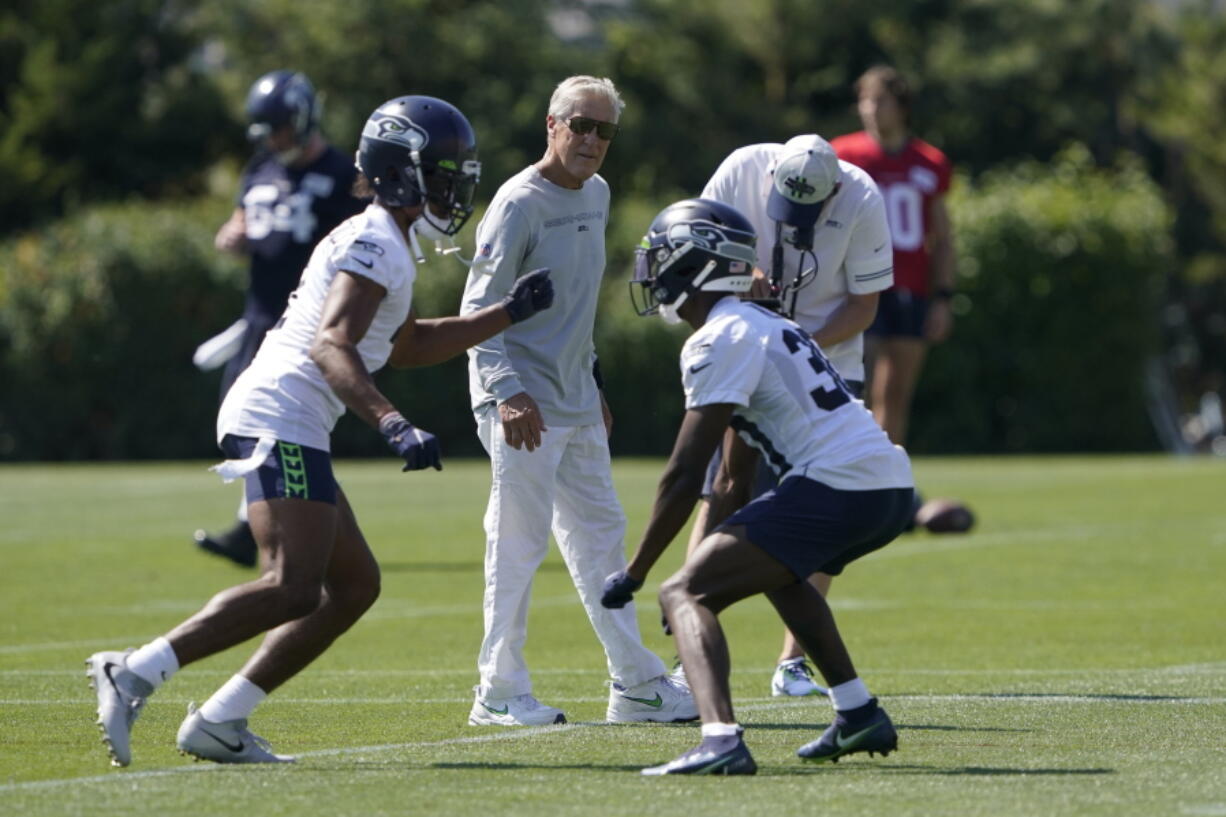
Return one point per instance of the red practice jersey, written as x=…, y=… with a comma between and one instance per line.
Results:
x=910, y=181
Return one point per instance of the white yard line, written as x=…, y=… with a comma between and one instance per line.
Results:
x=743, y=705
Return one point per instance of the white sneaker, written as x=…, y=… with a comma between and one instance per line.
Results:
x=660, y=700
x=677, y=676
x=121, y=696
x=228, y=742
x=794, y=678
x=520, y=710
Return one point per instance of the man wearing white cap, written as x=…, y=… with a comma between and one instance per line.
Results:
x=824, y=245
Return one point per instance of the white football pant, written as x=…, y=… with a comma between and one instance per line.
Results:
x=566, y=484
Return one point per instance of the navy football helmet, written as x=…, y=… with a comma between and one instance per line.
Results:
x=694, y=245
x=282, y=98
x=417, y=149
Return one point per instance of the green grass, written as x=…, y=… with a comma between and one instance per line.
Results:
x=1068, y=657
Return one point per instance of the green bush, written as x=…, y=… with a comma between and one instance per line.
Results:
x=99, y=316
x=1061, y=268
x=1060, y=284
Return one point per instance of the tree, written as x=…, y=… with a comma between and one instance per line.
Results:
x=98, y=101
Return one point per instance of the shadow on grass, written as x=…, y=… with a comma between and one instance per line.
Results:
x=810, y=727
x=987, y=771
x=1082, y=696
x=515, y=767
x=793, y=770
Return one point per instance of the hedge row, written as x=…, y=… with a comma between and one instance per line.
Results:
x=1060, y=283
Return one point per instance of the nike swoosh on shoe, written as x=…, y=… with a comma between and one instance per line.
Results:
x=232, y=747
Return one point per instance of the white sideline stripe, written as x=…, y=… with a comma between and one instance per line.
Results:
x=124, y=777
x=752, y=705
x=12, y=649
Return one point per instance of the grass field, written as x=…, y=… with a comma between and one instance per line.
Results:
x=1067, y=657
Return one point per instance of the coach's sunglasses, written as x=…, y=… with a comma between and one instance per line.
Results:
x=583, y=124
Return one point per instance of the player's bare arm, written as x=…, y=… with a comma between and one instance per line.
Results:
x=851, y=318
x=733, y=485
x=606, y=414
x=939, y=322
x=347, y=314
x=232, y=235
x=702, y=429
x=426, y=342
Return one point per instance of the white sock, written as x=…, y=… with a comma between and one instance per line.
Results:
x=155, y=662
x=236, y=699
x=720, y=730
x=849, y=695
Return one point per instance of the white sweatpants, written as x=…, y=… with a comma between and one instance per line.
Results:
x=566, y=484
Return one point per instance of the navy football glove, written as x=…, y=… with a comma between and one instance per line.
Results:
x=619, y=589
x=531, y=293
x=419, y=448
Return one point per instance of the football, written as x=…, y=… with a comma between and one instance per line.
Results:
x=944, y=516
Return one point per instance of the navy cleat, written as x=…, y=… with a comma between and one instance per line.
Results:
x=237, y=544
x=721, y=755
x=863, y=729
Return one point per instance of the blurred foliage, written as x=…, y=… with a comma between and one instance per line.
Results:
x=142, y=99
x=99, y=316
x=99, y=101
x=1062, y=264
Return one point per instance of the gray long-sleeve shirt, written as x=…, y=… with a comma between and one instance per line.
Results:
x=533, y=223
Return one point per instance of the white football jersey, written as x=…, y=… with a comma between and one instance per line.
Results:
x=791, y=404
x=851, y=241
x=283, y=393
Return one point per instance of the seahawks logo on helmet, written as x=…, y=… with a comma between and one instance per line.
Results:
x=700, y=233
x=397, y=129
x=709, y=236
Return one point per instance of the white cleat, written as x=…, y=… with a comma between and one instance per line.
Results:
x=228, y=742
x=660, y=700
x=121, y=696
x=794, y=679
x=519, y=710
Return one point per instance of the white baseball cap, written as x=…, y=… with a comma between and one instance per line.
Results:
x=804, y=177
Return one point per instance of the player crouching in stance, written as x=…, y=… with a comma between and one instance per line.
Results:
x=844, y=490
x=351, y=314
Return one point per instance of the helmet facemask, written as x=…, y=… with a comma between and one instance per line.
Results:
x=666, y=274
x=448, y=189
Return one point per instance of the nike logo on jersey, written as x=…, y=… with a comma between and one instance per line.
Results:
x=367, y=264
x=233, y=747
x=698, y=368
x=879, y=249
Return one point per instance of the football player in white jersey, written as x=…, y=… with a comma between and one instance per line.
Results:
x=825, y=239
x=844, y=489
x=351, y=314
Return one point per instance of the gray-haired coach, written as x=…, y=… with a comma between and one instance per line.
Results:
x=542, y=418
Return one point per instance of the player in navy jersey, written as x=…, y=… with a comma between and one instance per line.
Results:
x=293, y=192
x=352, y=314
x=844, y=490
